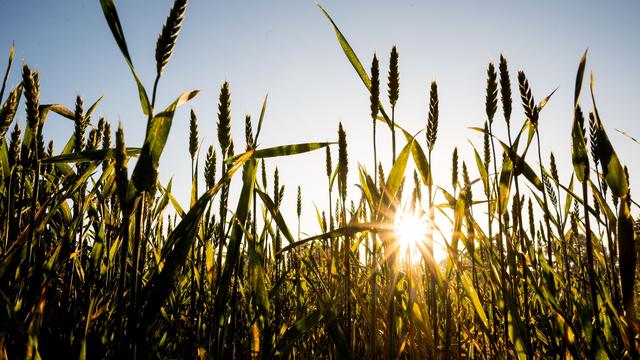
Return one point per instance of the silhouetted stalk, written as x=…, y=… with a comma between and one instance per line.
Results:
x=297, y=257
x=431, y=295
x=602, y=187
x=628, y=266
x=6, y=73
x=375, y=104
x=394, y=92
x=225, y=141
x=167, y=41
x=155, y=88
x=546, y=220
x=412, y=296
x=521, y=236
x=590, y=263
x=329, y=170
x=135, y=276
x=532, y=113
x=125, y=208
x=278, y=259
x=33, y=242
x=432, y=136
x=559, y=214
x=458, y=337
x=342, y=183
x=32, y=95
x=447, y=321
x=374, y=294
x=193, y=146
x=503, y=273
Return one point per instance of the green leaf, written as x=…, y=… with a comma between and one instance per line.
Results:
x=59, y=109
x=531, y=175
x=569, y=202
x=523, y=167
x=275, y=213
x=176, y=205
x=369, y=188
x=235, y=240
x=579, y=77
x=544, y=101
x=475, y=300
x=334, y=175
x=78, y=181
x=611, y=167
x=194, y=186
x=111, y=15
x=89, y=155
x=357, y=65
x=604, y=207
x=505, y=185
x=423, y=166
x=92, y=108
x=613, y=170
x=257, y=277
x=12, y=52
x=627, y=260
x=285, y=150
x=4, y=158
x=256, y=272
x=458, y=217
x=179, y=243
x=145, y=172
x=264, y=109
x=295, y=332
x=332, y=327
x=162, y=283
x=397, y=171
x=625, y=134
x=348, y=51
x=482, y=170
x=579, y=156
x=164, y=200
x=350, y=229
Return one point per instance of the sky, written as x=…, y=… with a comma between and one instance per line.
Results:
x=288, y=50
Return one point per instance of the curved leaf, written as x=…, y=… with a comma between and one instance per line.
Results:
x=111, y=15
x=143, y=176
x=89, y=155
x=284, y=150
x=264, y=109
x=611, y=166
x=275, y=213
x=397, y=171
x=579, y=77
x=579, y=156
x=348, y=230
x=348, y=51
x=12, y=52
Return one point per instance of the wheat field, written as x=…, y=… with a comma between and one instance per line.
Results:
x=98, y=259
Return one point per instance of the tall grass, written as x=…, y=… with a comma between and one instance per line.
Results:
x=97, y=261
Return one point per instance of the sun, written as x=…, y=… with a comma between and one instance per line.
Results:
x=411, y=229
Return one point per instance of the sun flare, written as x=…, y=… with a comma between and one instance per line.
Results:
x=411, y=230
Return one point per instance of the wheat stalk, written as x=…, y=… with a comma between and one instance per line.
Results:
x=432, y=119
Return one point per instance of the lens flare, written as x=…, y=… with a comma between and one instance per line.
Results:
x=411, y=232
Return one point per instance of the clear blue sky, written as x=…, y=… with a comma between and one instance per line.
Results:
x=288, y=49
